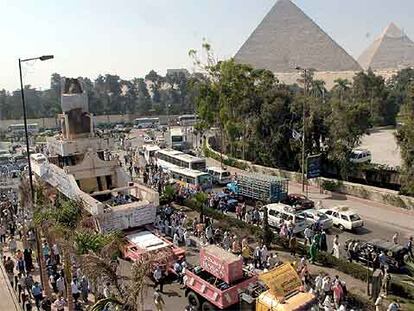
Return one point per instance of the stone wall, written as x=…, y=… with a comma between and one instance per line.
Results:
x=371, y=193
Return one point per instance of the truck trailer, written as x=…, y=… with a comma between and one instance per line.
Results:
x=258, y=187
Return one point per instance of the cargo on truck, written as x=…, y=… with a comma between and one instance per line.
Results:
x=220, y=282
x=258, y=187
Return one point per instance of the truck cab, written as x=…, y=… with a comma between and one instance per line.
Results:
x=218, y=280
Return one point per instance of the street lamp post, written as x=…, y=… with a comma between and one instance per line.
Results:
x=305, y=87
x=42, y=58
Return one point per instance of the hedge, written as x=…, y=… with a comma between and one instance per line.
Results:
x=228, y=161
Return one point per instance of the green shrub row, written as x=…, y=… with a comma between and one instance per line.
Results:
x=228, y=161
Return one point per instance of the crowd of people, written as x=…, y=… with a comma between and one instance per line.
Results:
x=17, y=244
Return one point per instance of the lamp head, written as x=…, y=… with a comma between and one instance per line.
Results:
x=45, y=57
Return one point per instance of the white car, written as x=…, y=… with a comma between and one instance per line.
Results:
x=312, y=216
x=343, y=218
x=279, y=213
x=360, y=156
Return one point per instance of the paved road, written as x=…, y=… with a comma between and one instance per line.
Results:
x=381, y=221
x=383, y=147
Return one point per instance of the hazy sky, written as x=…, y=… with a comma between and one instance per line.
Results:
x=131, y=37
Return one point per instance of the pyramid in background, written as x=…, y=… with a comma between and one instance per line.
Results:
x=287, y=38
x=393, y=50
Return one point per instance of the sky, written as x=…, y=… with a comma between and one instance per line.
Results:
x=131, y=37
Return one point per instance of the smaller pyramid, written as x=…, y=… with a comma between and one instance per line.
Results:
x=392, y=50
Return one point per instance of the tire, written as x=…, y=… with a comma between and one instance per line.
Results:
x=207, y=306
x=193, y=300
x=341, y=227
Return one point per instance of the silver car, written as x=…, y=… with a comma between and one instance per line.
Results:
x=312, y=216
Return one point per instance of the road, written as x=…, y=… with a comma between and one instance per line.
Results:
x=383, y=147
x=380, y=220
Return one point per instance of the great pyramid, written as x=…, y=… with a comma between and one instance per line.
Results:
x=286, y=38
x=393, y=50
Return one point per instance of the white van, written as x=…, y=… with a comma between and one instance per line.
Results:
x=360, y=156
x=279, y=213
x=220, y=176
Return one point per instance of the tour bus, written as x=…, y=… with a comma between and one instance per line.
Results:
x=187, y=120
x=167, y=158
x=18, y=129
x=149, y=152
x=175, y=138
x=220, y=176
x=144, y=123
x=192, y=178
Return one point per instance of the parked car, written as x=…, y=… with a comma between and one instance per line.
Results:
x=299, y=201
x=313, y=216
x=343, y=217
x=279, y=213
x=362, y=251
x=360, y=156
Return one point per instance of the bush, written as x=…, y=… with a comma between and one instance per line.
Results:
x=330, y=185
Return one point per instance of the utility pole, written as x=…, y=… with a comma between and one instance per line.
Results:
x=305, y=92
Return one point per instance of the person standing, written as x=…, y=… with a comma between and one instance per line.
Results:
x=158, y=301
x=37, y=294
x=323, y=245
x=336, y=249
x=59, y=303
x=75, y=290
x=60, y=286
x=292, y=245
x=395, y=238
x=410, y=247
x=308, y=233
x=256, y=257
x=84, y=289
x=12, y=245
x=158, y=278
x=56, y=253
x=378, y=303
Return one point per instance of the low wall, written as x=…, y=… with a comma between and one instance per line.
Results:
x=371, y=193
x=110, y=118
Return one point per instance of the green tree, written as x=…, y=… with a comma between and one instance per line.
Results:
x=405, y=138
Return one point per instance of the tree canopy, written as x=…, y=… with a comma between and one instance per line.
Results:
x=108, y=94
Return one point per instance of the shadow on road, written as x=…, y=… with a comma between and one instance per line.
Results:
x=336, y=196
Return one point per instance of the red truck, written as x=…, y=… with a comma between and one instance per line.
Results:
x=218, y=281
x=146, y=241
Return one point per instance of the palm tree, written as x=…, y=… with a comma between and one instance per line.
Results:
x=129, y=287
x=342, y=85
x=60, y=223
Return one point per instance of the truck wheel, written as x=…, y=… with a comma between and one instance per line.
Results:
x=193, y=300
x=341, y=227
x=207, y=306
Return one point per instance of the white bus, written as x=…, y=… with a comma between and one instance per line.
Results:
x=18, y=129
x=167, y=158
x=144, y=123
x=219, y=175
x=192, y=178
x=149, y=152
x=187, y=120
x=175, y=138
